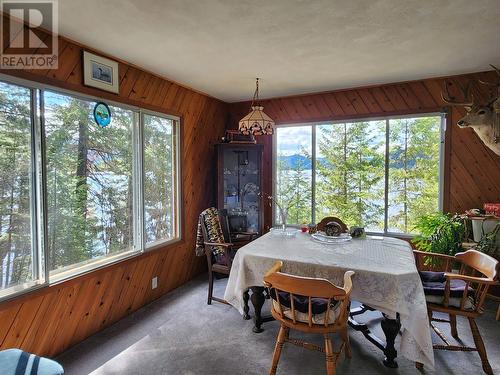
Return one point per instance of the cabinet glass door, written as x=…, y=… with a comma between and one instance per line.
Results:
x=241, y=168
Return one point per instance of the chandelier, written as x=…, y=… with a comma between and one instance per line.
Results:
x=256, y=122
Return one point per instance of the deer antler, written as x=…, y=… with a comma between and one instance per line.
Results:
x=491, y=83
x=465, y=91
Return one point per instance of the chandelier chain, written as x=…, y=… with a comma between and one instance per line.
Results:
x=255, y=99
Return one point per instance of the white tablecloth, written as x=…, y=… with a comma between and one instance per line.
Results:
x=386, y=278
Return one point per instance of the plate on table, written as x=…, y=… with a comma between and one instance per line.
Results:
x=323, y=238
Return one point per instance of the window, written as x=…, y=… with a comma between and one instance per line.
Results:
x=17, y=259
x=294, y=173
x=160, y=176
x=380, y=174
x=75, y=195
x=89, y=182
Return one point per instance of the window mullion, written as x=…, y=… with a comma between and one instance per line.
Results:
x=313, y=174
x=138, y=182
x=386, y=188
x=274, y=192
x=43, y=229
x=442, y=135
x=34, y=209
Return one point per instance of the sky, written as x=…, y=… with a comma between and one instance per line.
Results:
x=292, y=139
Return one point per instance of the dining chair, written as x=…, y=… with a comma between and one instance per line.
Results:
x=309, y=305
x=457, y=294
x=322, y=224
x=214, y=240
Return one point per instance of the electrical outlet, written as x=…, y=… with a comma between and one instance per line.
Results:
x=154, y=282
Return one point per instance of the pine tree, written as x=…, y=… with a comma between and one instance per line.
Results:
x=414, y=171
x=294, y=188
x=15, y=168
x=350, y=173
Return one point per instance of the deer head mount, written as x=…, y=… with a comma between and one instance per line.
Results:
x=483, y=118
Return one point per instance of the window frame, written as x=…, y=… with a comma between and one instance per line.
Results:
x=176, y=176
x=38, y=195
x=313, y=125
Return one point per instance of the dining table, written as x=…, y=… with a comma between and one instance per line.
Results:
x=386, y=279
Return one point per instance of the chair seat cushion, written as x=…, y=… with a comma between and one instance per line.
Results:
x=453, y=302
x=319, y=307
x=15, y=362
x=434, y=284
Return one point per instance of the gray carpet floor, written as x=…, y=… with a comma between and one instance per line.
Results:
x=180, y=334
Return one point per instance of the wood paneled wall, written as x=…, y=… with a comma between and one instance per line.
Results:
x=52, y=319
x=472, y=171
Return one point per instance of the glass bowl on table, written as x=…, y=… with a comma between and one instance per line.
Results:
x=286, y=232
x=331, y=240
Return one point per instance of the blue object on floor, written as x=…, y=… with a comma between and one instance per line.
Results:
x=18, y=362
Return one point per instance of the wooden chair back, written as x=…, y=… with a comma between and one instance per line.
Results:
x=322, y=224
x=224, y=223
x=478, y=262
x=210, y=246
x=309, y=288
x=477, y=271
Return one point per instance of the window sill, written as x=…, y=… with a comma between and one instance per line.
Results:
x=59, y=276
x=70, y=277
x=162, y=243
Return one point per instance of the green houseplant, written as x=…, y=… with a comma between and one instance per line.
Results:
x=488, y=244
x=440, y=233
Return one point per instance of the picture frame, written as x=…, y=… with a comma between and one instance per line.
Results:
x=100, y=72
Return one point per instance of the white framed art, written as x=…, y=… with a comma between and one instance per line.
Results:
x=100, y=72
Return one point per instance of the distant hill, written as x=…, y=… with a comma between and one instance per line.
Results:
x=293, y=161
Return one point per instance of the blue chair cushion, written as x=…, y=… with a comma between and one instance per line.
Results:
x=434, y=285
x=18, y=362
x=301, y=303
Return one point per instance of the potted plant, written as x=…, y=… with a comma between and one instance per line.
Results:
x=440, y=233
x=488, y=243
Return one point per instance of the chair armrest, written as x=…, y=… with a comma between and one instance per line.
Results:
x=470, y=279
x=246, y=235
x=481, y=289
x=224, y=244
x=434, y=255
x=226, y=247
x=443, y=259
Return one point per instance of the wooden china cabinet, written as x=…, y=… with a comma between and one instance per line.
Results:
x=239, y=181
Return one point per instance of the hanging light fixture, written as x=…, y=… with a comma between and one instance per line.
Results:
x=256, y=122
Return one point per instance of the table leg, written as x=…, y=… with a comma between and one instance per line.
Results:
x=246, y=309
x=391, y=329
x=258, y=300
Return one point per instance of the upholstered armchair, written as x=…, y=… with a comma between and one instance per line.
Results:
x=461, y=293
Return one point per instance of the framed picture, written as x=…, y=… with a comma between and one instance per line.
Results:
x=100, y=72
